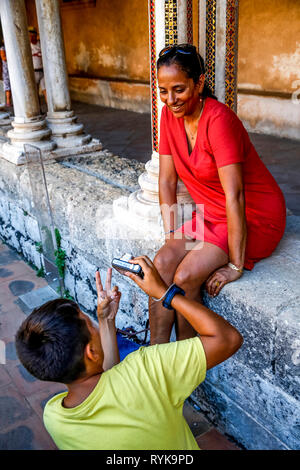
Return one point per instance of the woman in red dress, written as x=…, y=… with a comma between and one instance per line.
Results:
x=241, y=210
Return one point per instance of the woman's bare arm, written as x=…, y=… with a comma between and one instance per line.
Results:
x=231, y=179
x=167, y=192
x=232, y=182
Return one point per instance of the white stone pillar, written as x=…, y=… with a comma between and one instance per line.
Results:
x=144, y=203
x=28, y=125
x=66, y=131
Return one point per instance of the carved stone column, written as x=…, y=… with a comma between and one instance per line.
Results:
x=144, y=203
x=66, y=131
x=28, y=124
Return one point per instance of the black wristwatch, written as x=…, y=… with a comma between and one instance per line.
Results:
x=169, y=297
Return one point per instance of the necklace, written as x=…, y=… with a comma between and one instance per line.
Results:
x=193, y=135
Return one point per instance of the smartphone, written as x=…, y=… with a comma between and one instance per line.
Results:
x=122, y=266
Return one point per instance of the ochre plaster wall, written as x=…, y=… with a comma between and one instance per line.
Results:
x=109, y=40
x=107, y=52
x=269, y=45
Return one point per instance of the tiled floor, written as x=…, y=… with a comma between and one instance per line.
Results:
x=22, y=397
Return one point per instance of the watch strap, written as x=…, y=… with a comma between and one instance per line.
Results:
x=170, y=294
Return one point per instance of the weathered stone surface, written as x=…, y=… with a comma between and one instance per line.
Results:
x=232, y=419
x=254, y=396
x=269, y=406
x=264, y=306
x=29, y=251
x=32, y=228
x=286, y=362
x=119, y=172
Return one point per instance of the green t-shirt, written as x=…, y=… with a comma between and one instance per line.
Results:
x=135, y=405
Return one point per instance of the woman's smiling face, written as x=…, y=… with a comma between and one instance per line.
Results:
x=179, y=92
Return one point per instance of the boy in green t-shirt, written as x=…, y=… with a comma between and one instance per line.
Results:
x=133, y=404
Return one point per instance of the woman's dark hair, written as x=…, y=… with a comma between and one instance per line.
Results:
x=192, y=64
x=50, y=342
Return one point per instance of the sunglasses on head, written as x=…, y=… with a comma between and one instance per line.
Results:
x=181, y=48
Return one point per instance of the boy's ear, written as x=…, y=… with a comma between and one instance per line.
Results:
x=91, y=353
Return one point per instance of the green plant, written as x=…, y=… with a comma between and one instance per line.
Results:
x=60, y=255
x=39, y=247
x=57, y=237
x=60, y=261
x=67, y=295
x=41, y=272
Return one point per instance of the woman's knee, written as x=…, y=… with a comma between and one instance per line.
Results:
x=164, y=262
x=186, y=280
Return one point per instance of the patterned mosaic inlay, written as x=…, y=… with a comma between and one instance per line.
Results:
x=153, y=77
x=210, y=53
x=231, y=53
x=189, y=22
x=171, y=22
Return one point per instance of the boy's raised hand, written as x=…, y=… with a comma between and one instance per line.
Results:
x=152, y=283
x=108, y=299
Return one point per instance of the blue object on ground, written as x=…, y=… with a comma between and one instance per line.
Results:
x=126, y=346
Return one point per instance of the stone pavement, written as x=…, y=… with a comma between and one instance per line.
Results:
x=22, y=397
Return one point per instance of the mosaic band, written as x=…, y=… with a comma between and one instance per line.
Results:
x=171, y=37
x=171, y=21
x=231, y=53
x=153, y=76
x=189, y=21
x=210, y=56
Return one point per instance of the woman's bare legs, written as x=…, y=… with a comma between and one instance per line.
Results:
x=189, y=269
x=167, y=259
x=191, y=273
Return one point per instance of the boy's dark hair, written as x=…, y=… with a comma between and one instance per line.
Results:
x=192, y=64
x=50, y=342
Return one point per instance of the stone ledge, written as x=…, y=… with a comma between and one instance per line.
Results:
x=252, y=396
x=264, y=306
x=120, y=172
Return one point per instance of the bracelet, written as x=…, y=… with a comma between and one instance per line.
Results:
x=170, y=231
x=232, y=266
x=158, y=300
x=169, y=297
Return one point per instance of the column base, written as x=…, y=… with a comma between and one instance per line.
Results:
x=142, y=216
x=32, y=131
x=15, y=154
x=94, y=145
x=66, y=132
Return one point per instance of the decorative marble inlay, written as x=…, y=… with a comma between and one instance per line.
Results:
x=210, y=55
x=231, y=53
x=171, y=22
x=153, y=77
x=189, y=22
